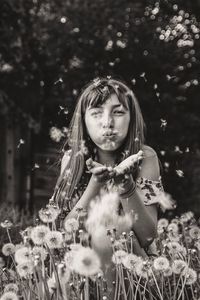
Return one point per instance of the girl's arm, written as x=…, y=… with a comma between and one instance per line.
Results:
x=92, y=190
x=145, y=224
x=98, y=179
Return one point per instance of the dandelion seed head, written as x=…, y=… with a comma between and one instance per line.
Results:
x=25, y=269
x=8, y=249
x=190, y=275
x=161, y=263
x=131, y=260
x=48, y=215
x=23, y=255
x=179, y=266
x=9, y=296
x=71, y=225
x=39, y=233
x=86, y=262
x=39, y=251
x=117, y=257
x=6, y=224
x=54, y=239
x=194, y=232
x=163, y=222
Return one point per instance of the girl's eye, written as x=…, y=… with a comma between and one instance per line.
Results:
x=119, y=112
x=95, y=112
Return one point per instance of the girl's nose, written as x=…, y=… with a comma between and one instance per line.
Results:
x=107, y=121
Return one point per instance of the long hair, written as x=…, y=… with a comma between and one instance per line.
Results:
x=93, y=95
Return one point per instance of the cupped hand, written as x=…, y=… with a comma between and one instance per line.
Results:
x=128, y=165
x=100, y=172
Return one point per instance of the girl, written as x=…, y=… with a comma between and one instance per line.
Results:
x=106, y=142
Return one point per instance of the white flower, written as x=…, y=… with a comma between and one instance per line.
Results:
x=100, y=239
x=6, y=224
x=8, y=249
x=9, y=296
x=187, y=216
x=191, y=276
x=142, y=270
x=71, y=225
x=163, y=222
x=48, y=215
x=194, y=232
x=161, y=263
x=25, y=269
x=173, y=227
x=179, y=266
x=39, y=251
x=39, y=233
x=131, y=260
x=23, y=255
x=56, y=134
x=86, y=262
x=104, y=212
x=166, y=202
x=118, y=256
x=174, y=248
x=54, y=239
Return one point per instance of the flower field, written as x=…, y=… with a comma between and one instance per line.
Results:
x=63, y=262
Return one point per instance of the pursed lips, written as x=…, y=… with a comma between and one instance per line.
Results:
x=109, y=133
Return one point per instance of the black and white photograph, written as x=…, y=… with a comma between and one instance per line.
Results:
x=100, y=150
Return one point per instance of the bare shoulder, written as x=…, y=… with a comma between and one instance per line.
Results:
x=150, y=166
x=148, y=151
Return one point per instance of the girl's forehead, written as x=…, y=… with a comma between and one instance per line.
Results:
x=111, y=101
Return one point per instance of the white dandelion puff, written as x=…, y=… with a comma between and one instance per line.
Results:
x=194, y=232
x=131, y=260
x=179, y=266
x=86, y=262
x=39, y=233
x=25, y=269
x=9, y=296
x=161, y=263
x=163, y=222
x=174, y=248
x=142, y=270
x=48, y=215
x=173, y=228
x=118, y=256
x=191, y=276
x=8, y=249
x=54, y=239
x=71, y=225
x=22, y=255
x=40, y=251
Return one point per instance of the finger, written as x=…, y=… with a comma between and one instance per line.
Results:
x=99, y=170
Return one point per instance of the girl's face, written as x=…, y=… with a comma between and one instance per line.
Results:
x=107, y=124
